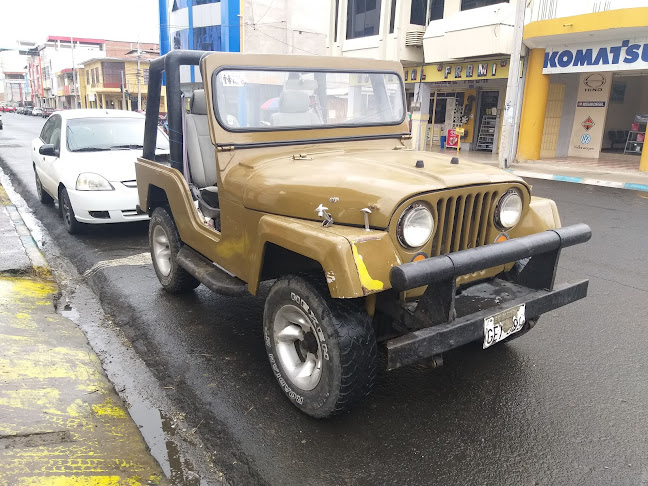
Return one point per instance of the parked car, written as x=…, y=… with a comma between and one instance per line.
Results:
x=85, y=160
x=1, y=125
x=36, y=111
x=9, y=109
x=27, y=110
x=47, y=112
x=300, y=174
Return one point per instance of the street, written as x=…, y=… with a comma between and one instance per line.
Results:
x=564, y=404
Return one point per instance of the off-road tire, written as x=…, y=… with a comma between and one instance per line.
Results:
x=43, y=196
x=67, y=213
x=351, y=369
x=178, y=280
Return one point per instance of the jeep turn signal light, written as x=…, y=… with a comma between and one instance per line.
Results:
x=501, y=237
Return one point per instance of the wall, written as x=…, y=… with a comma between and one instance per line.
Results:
x=551, y=9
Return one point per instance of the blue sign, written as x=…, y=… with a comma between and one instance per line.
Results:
x=611, y=57
x=585, y=139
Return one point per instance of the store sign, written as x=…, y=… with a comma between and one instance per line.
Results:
x=589, y=116
x=475, y=71
x=623, y=55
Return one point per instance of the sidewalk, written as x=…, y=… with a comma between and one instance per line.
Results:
x=581, y=171
x=62, y=423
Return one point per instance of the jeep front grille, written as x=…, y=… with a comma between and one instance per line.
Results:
x=462, y=221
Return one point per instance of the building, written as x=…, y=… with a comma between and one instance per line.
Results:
x=586, y=92
x=113, y=83
x=250, y=26
x=14, y=84
x=55, y=55
x=456, y=55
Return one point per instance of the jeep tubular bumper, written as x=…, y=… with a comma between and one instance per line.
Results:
x=446, y=319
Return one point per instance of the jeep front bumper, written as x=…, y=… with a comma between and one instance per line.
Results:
x=446, y=319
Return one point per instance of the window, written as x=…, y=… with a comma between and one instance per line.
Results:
x=363, y=18
x=258, y=100
x=87, y=73
x=392, y=17
x=112, y=74
x=470, y=4
x=204, y=39
x=436, y=10
x=46, y=132
x=146, y=76
x=337, y=13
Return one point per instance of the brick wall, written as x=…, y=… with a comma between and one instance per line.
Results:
x=121, y=49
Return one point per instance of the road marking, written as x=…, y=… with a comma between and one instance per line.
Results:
x=139, y=259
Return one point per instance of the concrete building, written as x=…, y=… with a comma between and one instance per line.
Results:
x=113, y=83
x=586, y=92
x=456, y=55
x=250, y=26
x=14, y=84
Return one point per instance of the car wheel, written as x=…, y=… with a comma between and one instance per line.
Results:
x=322, y=351
x=69, y=219
x=43, y=197
x=165, y=243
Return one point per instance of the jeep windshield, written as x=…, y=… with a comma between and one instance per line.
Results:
x=270, y=99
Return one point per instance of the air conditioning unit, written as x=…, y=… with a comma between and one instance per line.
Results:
x=414, y=39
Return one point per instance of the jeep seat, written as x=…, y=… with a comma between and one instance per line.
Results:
x=201, y=153
x=294, y=110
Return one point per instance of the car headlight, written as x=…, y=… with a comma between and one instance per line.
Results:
x=92, y=182
x=415, y=226
x=508, y=210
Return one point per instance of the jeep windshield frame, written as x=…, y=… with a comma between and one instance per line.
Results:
x=300, y=98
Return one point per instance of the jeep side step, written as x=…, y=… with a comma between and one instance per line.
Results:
x=210, y=275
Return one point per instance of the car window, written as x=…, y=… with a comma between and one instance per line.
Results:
x=97, y=134
x=55, y=137
x=46, y=132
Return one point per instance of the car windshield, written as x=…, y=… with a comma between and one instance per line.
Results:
x=258, y=99
x=96, y=134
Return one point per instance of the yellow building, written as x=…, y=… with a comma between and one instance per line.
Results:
x=586, y=90
x=113, y=83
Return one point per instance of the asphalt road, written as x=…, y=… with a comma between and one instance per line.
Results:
x=564, y=404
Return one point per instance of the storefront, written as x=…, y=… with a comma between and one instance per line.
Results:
x=587, y=98
x=468, y=95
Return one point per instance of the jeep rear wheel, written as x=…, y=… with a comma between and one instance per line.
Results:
x=164, y=242
x=322, y=350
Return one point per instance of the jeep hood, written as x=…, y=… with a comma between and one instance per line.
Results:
x=347, y=181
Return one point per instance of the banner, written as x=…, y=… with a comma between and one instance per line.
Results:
x=626, y=55
x=589, y=117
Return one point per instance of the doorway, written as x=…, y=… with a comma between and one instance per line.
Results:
x=488, y=102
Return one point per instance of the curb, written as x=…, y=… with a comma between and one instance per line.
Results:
x=40, y=268
x=580, y=180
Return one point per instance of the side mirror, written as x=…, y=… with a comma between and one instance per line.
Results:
x=48, y=150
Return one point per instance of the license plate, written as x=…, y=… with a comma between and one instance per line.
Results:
x=502, y=325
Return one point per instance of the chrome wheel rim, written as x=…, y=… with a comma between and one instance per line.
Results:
x=298, y=347
x=161, y=250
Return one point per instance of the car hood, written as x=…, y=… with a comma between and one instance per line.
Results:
x=347, y=181
x=114, y=165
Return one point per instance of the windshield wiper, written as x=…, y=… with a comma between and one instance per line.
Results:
x=127, y=146
x=90, y=149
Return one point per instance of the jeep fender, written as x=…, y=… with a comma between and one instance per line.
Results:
x=355, y=262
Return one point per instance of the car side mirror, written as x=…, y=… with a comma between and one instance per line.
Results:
x=48, y=149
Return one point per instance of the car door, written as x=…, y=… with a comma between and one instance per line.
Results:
x=45, y=164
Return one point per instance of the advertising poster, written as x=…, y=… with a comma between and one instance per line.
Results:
x=589, y=118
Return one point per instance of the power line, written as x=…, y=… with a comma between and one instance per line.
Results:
x=289, y=45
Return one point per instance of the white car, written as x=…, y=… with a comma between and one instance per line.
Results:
x=37, y=111
x=85, y=160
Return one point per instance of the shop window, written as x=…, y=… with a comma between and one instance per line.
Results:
x=470, y=4
x=363, y=18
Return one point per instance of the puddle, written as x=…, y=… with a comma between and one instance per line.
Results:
x=71, y=313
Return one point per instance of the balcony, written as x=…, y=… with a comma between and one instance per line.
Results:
x=69, y=90
x=479, y=32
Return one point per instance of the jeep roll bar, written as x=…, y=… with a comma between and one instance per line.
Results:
x=168, y=64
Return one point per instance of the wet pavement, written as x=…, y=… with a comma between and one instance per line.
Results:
x=564, y=404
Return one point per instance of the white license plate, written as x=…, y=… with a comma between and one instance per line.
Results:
x=502, y=325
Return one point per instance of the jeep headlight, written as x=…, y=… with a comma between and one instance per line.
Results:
x=508, y=210
x=415, y=226
x=88, y=181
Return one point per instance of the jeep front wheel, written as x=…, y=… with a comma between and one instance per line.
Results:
x=322, y=350
x=165, y=243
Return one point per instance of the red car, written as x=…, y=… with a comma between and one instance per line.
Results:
x=8, y=109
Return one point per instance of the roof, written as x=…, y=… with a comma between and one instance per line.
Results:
x=98, y=113
x=77, y=39
x=115, y=59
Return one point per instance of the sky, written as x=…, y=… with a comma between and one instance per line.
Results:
x=34, y=20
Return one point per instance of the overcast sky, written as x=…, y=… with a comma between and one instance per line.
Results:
x=34, y=20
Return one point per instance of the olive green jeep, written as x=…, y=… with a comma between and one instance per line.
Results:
x=297, y=170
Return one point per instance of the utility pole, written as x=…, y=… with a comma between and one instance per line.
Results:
x=139, y=91
x=507, y=142
x=74, y=76
x=123, y=92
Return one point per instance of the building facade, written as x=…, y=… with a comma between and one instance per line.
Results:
x=586, y=92
x=456, y=56
x=250, y=26
x=112, y=83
